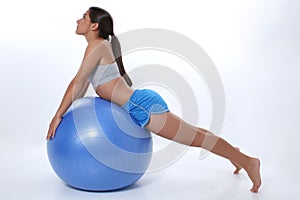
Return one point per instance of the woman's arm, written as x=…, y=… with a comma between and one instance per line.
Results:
x=65, y=104
x=70, y=95
x=78, y=85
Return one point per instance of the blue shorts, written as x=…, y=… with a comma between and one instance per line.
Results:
x=143, y=103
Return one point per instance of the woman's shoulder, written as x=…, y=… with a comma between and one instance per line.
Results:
x=98, y=44
x=98, y=47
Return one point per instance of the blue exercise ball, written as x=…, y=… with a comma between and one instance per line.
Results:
x=98, y=147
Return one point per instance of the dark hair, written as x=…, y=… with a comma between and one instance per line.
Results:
x=105, y=22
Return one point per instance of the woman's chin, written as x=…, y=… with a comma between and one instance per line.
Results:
x=78, y=33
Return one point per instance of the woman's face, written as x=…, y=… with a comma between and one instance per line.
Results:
x=84, y=24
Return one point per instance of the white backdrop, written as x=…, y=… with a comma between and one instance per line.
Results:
x=254, y=44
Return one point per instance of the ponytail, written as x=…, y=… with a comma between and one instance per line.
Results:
x=105, y=21
x=115, y=43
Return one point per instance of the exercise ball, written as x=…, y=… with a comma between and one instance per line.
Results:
x=99, y=147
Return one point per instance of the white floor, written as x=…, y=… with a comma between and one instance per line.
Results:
x=26, y=174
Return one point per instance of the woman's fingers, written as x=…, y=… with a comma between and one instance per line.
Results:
x=50, y=133
x=52, y=127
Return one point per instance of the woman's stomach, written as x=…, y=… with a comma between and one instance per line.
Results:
x=116, y=91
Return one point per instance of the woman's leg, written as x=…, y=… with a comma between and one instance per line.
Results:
x=237, y=166
x=174, y=128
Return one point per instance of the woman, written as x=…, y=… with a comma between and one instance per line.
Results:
x=102, y=66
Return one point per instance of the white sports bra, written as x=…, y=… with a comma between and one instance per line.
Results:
x=103, y=73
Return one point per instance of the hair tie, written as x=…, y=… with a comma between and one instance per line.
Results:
x=110, y=37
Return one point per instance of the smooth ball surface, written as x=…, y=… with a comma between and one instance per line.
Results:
x=97, y=147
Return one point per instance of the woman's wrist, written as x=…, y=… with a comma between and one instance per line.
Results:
x=58, y=116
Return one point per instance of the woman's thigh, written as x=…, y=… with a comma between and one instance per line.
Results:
x=172, y=127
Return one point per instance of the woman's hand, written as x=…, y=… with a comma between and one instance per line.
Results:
x=52, y=127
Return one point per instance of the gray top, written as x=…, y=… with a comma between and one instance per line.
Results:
x=103, y=73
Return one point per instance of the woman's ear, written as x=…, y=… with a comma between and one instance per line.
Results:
x=94, y=26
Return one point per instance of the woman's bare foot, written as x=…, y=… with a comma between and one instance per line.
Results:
x=253, y=171
x=238, y=167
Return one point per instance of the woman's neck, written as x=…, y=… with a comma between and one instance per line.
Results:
x=91, y=37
